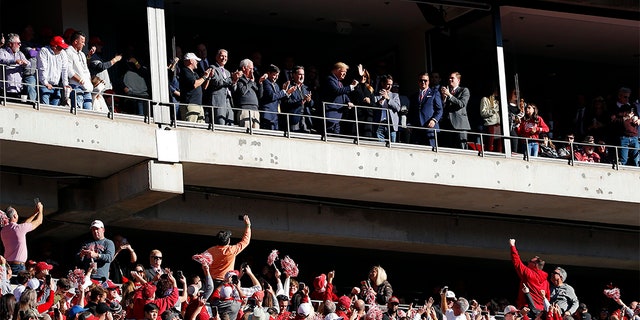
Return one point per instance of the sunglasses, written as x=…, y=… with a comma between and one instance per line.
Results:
x=139, y=271
x=157, y=258
x=423, y=80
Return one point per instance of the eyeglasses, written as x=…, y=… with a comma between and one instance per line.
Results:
x=157, y=258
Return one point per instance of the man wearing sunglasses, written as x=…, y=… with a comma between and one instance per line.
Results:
x=155, y=270
x=532, y=276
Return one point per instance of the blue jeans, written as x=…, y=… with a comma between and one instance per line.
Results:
x=80, y=98
x=30, y=86
x=15, y=268
x=381, y=133
x=533, y=147
x=50, y=96
x=627, y=155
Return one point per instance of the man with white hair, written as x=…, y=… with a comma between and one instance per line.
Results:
x=562, y=293
x=456, y=310
x=14, y=236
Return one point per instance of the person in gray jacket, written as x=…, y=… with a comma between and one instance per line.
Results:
x=562, y=293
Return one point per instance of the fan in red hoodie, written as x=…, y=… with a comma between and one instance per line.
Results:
x=147, y=294
x=531, y=275
x=323, y=287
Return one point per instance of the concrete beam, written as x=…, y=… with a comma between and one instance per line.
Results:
x=123, y=194
x=19, y=191
x=417, y=232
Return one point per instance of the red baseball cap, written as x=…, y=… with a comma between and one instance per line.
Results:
x=258, y=295
x=59, y=42
x=43, y=266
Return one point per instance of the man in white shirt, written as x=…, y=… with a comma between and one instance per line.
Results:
x=52, y=71
x=456, y=310
x=79, y=75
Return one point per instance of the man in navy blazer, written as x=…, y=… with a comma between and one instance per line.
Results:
x=299, y=104
x=334, y=91
x=425, y=111
x=272, y=95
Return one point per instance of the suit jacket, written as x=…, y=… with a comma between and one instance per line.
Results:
x=272, y=94
x=150, y=273
x=456, y=109
x=392, y=105
x=220, y=86
x=333, y=91
x=430, y=107
x=294, y=104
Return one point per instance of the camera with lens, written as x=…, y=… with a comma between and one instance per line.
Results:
x=234, y=279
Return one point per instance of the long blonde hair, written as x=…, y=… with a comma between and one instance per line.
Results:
x=381, y=275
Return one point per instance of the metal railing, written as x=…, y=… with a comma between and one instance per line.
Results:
x=163, y=113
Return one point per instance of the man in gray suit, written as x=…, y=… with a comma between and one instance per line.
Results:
x=387, y=116
x=454, y=100
x=223, y=83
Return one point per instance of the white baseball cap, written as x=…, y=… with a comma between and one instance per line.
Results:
x=191, y=55
x=97, y=224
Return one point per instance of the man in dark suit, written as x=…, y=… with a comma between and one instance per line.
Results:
x=425, y=111
x=155, y=269
x=387, y=116
x=271, y=97
x=334, y=91
x=455, y=99
x=299, y=103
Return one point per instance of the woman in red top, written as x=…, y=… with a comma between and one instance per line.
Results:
x=531, y=125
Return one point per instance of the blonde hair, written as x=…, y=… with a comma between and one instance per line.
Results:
x=340, y=65
x=381, y=275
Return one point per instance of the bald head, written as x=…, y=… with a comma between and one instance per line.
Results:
x=359, y=305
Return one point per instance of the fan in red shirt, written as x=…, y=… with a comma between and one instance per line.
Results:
x=531, y=275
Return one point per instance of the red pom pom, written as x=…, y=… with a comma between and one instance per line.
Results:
x=203, y=258
x=613, y=293
x=273, y=256
x=289, y=267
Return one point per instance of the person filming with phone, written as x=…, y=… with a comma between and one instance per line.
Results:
x=377, y=284
x=14, y=235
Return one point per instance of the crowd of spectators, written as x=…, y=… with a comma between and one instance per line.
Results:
x=109, y=282
x=206, y=89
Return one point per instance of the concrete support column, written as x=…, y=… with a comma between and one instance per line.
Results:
x=157, y=50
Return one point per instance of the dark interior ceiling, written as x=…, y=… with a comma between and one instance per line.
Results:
x=591, y=30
